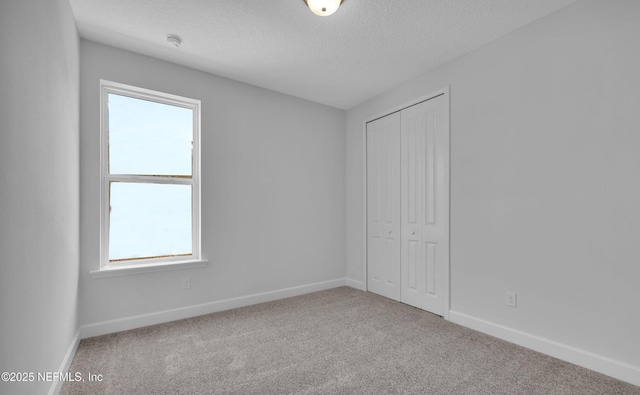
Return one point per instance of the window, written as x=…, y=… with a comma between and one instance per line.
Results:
x=150, y=201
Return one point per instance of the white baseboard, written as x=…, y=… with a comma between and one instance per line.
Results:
x=123, y=324
x=595, y=362
x=56, y=386
x=355, y=284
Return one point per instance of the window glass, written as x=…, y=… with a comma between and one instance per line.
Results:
x=149, y=220
x=149, y=138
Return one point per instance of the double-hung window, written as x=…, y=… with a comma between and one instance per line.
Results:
x=150, y=181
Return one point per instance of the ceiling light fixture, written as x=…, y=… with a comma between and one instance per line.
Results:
x=174, y=39
x=323, y=7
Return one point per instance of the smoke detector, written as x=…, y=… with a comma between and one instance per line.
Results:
x=174, y=39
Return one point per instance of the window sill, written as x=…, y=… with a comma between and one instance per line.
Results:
x=148, y=268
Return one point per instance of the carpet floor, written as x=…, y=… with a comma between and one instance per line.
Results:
x=339, y=341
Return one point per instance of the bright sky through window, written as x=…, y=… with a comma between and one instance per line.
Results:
x=148, y=138
x=149, y=217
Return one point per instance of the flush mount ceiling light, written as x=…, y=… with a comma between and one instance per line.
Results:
x=174, y=39
x=323, y=7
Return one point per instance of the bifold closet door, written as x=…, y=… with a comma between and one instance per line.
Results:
x=425, y=204
x=383, y=206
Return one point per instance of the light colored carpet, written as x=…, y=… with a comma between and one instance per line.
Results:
x=340, y=341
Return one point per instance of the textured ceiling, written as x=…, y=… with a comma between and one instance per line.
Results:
x=364, y=49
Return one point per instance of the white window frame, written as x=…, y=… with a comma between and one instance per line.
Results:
x=136, y=265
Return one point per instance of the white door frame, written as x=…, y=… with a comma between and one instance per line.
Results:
x=447, y=272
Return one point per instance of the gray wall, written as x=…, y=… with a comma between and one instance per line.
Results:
x=545, y=157
x=39, y=191
x=273, y=189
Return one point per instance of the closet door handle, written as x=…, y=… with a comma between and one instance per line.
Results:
x=389, y=232
x=413, y=233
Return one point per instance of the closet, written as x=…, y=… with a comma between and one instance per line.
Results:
x=408, y=205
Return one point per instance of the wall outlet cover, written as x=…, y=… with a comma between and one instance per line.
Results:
x=512, y=299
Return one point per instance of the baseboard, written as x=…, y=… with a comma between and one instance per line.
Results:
x=56, y=386
x=355, y=284
x=123, y=324
x=595, y=362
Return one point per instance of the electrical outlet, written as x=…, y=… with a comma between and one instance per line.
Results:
x=512, y=299
x=186, y=282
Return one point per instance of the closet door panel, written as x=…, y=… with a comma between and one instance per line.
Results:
x=425, y=204
x=411, y=249
x=435, y=226
x=383, y=206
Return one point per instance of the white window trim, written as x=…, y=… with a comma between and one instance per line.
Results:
x=136, y=266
